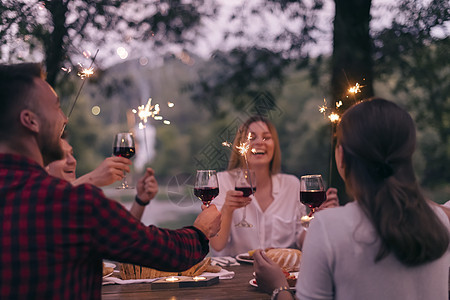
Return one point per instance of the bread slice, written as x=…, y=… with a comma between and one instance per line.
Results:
x=130, y=271
x=288, y=259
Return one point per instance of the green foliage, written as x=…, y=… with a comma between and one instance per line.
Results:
x=50, y=26
x=173, y=152
x=90, y=138
x=413, y=54
x=410, y=57
x=239, y=74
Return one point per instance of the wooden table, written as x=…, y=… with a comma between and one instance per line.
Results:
x=236, y=288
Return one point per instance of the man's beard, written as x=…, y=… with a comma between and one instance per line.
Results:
x=51, y=154
x=51, y=149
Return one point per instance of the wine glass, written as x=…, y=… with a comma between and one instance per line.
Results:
x=206, y=186
x=124, y=146
x=246, y=182
x=312, y=194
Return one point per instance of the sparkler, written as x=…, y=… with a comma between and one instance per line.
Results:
x=83, y=73
x=144, y=112
x=323, y=108
x=355, y=89
x=334, y=118
x=243, y=149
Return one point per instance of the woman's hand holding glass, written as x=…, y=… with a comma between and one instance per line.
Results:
x=235, y=199
x=331, y=201
x=312, y=192
x=313, y=195
x=245, y=182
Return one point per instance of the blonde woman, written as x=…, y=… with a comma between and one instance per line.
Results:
x=274, y=210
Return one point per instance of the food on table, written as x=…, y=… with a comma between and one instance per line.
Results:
x=213, y=269
x=130, y=271
x=251, y=252
x=288, y=259
x=291, y=278
x=107, y=270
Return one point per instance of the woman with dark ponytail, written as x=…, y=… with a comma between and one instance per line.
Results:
x=376, y=141
x=390, y=242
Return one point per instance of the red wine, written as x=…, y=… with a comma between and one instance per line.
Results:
x=247, y=190
x=127, y=152
x=312, y=198
x=206, y=194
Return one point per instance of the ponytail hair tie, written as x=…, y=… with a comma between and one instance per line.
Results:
x=384, y=169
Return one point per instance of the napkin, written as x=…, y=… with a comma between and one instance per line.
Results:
x=115, y=280
x=223, y=274
x=224, y=261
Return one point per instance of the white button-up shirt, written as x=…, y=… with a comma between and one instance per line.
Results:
x=279, y=226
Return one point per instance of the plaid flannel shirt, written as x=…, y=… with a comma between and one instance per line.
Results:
x=53, y=236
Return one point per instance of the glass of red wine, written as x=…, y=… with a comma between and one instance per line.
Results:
x=124, y=146
x=206, y=186
x=246, y=182
x=312, y=192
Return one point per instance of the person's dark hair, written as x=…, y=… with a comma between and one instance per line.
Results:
x=16, y=83
x=378, y=140
x=237, y=160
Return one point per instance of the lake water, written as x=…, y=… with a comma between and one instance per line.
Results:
x=170, y=212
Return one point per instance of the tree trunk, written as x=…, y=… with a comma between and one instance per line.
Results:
x=351, y=63
x=54, y=46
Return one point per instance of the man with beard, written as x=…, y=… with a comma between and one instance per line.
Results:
x=53, y=235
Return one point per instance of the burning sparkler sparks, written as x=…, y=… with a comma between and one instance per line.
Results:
x=83, y=73
x=144, y=112
x=355, y=89
x=334, y=118
x=67, y=70
x=148, y=110
x=87, y=53
x=243, y=149
x=324, y=107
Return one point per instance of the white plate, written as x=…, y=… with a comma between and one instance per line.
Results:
x=253, y=283
x=109, y=265
x=244, y=257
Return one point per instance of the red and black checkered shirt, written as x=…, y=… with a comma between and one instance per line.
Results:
x=53, y=236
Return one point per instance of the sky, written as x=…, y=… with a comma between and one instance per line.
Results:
x=115, y=51
x=214, y=29
x=214, y=32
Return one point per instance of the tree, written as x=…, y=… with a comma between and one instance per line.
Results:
x=247, y=69
x=407, y=50
x=257, y=62
x=413, y=53
x=58, y=29
x=351, y=63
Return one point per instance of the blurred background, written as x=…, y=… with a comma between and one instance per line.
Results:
x=211, y=64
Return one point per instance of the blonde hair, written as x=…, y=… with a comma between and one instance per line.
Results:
x=238, y=161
